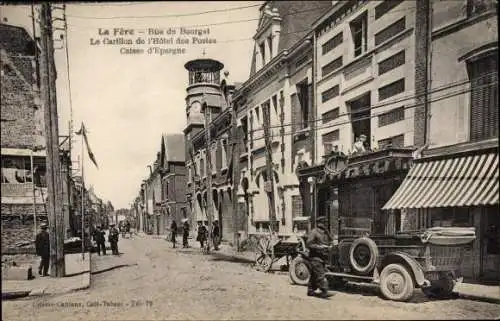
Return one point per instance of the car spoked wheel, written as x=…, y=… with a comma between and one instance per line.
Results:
x=396, y=283
x=363, y=255
x=264, y=262
x=299, y=271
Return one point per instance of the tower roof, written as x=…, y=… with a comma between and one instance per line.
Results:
x=204, y=63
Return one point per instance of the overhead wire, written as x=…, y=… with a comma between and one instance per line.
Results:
x=398, y=100
x=337, y=124
x=411, y=9
x=166, y=16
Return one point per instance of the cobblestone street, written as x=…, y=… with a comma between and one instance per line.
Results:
x=152, y=281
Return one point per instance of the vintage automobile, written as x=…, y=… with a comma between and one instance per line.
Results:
x=398, y=263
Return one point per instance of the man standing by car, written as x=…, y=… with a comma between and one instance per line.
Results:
x=318, y=244
x=42, y=246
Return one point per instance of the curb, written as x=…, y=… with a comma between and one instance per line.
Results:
x=14, y=295
x=236, y=257
x=478, y=297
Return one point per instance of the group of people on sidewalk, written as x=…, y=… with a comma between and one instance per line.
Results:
x=202, y=235
x=42, y=245
x=100, y=239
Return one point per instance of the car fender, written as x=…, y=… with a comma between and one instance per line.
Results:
x=401, y=257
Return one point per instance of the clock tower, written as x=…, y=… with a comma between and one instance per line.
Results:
x=204, y=86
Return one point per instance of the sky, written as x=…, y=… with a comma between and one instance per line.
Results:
x=128, y=101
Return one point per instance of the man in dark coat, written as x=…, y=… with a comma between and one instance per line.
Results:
x=202, y=234
x=42, y=245
x=173, y=232
x=318, y=243
x=99, y=238
x=113, y=239
x=215, y=235
x=185, y=234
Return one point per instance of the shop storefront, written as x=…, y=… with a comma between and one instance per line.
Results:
x=456, y=186
x=350, y=191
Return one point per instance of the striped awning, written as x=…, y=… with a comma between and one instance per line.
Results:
x=460, y=181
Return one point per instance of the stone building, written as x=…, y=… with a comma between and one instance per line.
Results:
x=207, y=92
x=369, y=68
x=154, y=218
x=455, y=182
x=173, y=179
x=278, y=93
x=23, y=187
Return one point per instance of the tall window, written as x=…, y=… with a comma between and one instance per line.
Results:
x=224, y=153
x=270, y=45
x=483, y=74
x=303, y=96
x=244, y=129
x=262, y=49
x=202, y=167
x=257, y=118
x=359, y=29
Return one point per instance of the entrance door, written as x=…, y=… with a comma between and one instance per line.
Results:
x=490, y=244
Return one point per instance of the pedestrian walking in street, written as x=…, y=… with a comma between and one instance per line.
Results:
x=318, y=244
x=42, y=246
x=185, y=234
x=173, y=232
x=216, y=235
x=99, y=238
x=113, y=239
x=202, y=234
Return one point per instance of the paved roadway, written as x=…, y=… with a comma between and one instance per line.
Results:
x=162, y=283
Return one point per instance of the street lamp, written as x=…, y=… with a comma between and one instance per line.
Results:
x=312, y=183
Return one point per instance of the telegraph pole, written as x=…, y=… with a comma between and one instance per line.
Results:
x=54, y=181
x=269, y=185
x=235, y=174
x=208, y=167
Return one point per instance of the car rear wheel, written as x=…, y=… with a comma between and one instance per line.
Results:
x=396, y=283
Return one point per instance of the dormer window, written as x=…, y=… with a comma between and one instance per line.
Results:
x=262, y=49
x=270, y=46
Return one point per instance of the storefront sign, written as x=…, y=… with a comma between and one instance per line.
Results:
x=335, y=164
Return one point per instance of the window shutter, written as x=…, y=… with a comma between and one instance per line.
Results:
x=484, y=98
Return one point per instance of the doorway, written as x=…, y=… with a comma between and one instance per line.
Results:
x=490, y=244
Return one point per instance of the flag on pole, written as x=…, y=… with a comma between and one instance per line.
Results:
x=83, y=132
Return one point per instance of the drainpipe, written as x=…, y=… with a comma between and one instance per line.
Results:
x=429, y=72
x=314, y=133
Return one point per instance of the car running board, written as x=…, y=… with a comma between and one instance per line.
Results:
x=349, y=276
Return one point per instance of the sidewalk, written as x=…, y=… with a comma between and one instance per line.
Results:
x=77, y=278
x=489, y=293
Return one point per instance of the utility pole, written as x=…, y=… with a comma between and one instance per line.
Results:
x=34, y=193
x=208, y=167
x=269, y=185
x=54, y=182
x=236, y=170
